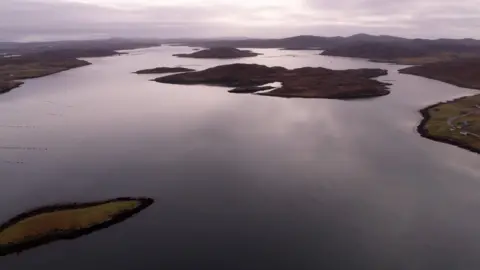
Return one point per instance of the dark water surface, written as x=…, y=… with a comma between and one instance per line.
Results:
x=240, y=181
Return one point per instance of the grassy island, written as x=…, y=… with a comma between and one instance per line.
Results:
x=60, y=222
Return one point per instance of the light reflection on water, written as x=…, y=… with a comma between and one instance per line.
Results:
x=241, y=181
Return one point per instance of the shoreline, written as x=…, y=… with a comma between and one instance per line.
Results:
x=425, y=134
x=454, y=83
x=18, y=83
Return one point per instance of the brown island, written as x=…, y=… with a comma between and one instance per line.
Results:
x=161, y=70
x=219, y=53
x=64, y=222
x=305, y=82
x=455, y=122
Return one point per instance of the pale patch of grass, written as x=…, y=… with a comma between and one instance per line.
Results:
x=63, y=220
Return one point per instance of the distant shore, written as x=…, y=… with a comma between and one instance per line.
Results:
x=35, y=60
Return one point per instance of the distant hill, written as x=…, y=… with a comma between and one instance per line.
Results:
x=291, y=42
x=377, y=50
x=383, y=48
x=408, y=52
x=112, y=44
x=461, y=72
x=372, y=38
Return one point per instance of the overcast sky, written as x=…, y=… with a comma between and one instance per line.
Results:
x=26, y=20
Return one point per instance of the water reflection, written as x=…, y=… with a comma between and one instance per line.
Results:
x=245, y=182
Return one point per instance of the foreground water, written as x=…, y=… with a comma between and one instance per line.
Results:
x=240, y=181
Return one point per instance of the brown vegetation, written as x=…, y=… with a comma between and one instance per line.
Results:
x=462, y=72
x=303, y=82
x=160, y=70
x=220, y=53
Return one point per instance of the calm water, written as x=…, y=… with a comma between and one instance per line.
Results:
x=240, y=181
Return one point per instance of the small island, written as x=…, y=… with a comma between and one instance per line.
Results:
x=161, y=70
x=63, y=222
x=220, y=53
x=305, y=82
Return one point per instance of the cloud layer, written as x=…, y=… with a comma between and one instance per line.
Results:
x=60, y=19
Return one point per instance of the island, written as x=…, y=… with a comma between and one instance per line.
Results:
x=308, y=82
x=455, y=122
x=160, y=70
x=219, y=53
x=44, y=225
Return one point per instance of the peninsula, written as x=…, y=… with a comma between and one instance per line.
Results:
x=13, y=70
x=38, y=59
x=461, y=72
x=456, y=122
x=305, y=82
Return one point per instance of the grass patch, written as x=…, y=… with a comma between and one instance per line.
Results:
x=456, y=122
x=48, y=224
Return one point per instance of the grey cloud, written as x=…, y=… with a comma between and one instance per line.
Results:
x=56, y=19
x=21, y=19
x=414, y=18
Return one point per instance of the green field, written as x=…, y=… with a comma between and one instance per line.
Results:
x=456, y=122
